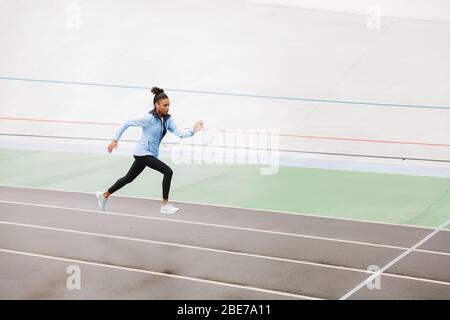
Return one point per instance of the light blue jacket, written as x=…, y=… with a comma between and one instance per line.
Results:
x=153, y=131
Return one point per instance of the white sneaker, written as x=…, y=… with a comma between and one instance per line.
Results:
x=101, y=200
x=168, y=209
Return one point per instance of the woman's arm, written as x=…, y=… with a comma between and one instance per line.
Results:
x=137, y=122
x=183, y=133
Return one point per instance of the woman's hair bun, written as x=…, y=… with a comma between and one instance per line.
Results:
x=156, y=90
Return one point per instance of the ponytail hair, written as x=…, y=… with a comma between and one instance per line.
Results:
x=159, y=95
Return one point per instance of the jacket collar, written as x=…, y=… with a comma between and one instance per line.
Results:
x=153, y=112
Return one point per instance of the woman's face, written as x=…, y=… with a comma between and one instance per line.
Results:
x=163, y=106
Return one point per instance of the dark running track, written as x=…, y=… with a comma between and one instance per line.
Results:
x=204, y=252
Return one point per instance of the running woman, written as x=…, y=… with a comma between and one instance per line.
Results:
x=154, y=127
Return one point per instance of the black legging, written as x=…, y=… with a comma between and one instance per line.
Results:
x=138, y=166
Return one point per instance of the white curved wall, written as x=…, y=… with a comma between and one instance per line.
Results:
x=232, y=47
x=433, y=10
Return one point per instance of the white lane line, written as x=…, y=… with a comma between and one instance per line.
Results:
x=212, y=250
x=64, y=209
x=230, y=207
x=173, y=244
x=109, y=266
x=394, y=261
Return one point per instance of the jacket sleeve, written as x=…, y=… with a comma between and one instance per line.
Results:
x=138, y=122
x=182, y=133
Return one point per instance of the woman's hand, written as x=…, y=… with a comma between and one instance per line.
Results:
x=112, y=145
x=198, y=126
